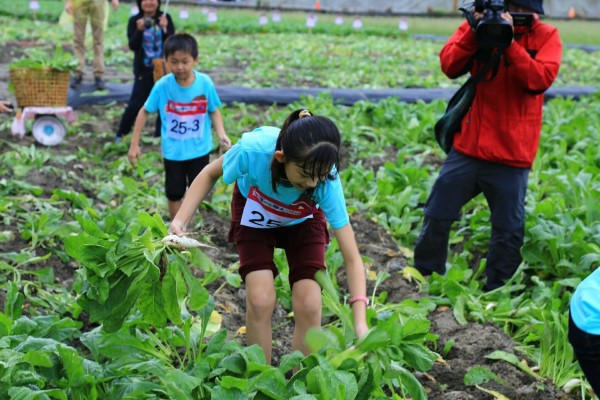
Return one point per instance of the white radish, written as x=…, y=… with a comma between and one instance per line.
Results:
x=183, y=242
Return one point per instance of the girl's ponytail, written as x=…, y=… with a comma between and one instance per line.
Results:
x=294, y=116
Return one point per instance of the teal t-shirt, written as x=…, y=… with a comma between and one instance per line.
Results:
x=585, y=304
x=186, y=127
x=249, y=163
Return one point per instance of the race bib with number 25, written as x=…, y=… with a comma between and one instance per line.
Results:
x=265, y=213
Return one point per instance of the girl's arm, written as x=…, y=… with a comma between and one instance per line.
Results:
x=135, y=33
x=197, y=192
x=170, y=27
x=355, y=271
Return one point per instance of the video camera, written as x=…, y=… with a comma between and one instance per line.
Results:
x=491, y=30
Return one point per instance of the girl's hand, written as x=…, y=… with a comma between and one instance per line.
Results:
x=177, y=228
x=140, y=24
x=163, y=22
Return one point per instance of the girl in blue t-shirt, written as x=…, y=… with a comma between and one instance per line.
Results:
x=286, y=190
x=584, y=327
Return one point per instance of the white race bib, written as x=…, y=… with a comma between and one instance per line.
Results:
x=263, y=212
x=186, y=120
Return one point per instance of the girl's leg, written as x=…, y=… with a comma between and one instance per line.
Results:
x=142, y=85
x=260, y=304
x=306, y=304
x=587, y=351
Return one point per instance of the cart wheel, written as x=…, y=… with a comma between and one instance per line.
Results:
x=48, y=130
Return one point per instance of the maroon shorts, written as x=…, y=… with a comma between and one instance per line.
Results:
x=304, y=243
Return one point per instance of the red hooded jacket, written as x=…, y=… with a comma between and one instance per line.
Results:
x=504, y=122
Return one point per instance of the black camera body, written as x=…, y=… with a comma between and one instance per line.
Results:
x=148, y=22
x=491, y=30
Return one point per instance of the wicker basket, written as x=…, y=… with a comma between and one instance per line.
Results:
x=40, y=86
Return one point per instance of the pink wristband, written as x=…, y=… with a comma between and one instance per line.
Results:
x=354, y=299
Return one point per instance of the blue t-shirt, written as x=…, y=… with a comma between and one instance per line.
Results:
x=249, y=163
x=185, y=134
x=585, y=304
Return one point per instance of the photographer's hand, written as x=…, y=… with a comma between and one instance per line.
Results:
x=140, y=24
x=472, y=16
x=507, y=17
x=478, y=15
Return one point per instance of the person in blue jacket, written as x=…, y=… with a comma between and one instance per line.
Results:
x=286, y=188
x=584, y=327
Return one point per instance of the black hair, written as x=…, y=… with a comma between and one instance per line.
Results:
x=181, y=42
x=311, y=142
x=139, y=4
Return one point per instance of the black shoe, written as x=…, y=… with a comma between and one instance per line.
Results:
x=75, y=81
x=425, y=272
x=100, y=85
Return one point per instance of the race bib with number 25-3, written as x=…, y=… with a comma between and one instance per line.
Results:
x=186, y=120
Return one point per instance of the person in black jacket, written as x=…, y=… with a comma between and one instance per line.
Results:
x=146, y=31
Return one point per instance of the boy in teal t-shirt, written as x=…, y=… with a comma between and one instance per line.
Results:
x=187, y=103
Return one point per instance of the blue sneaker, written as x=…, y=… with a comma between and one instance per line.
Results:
x=118, y=139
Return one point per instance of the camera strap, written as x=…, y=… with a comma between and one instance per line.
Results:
x=492, y=64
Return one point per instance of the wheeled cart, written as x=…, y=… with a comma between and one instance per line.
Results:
x=47, y=128
x=41, y=94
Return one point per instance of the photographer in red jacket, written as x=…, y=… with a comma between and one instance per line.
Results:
x=499, y=136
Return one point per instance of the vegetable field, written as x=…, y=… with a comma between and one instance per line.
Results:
x=93, y=305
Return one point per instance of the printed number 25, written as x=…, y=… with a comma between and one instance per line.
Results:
x=260, y=220
x=182, y=128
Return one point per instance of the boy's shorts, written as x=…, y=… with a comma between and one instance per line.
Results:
x=304, y=244
x=179, y=175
